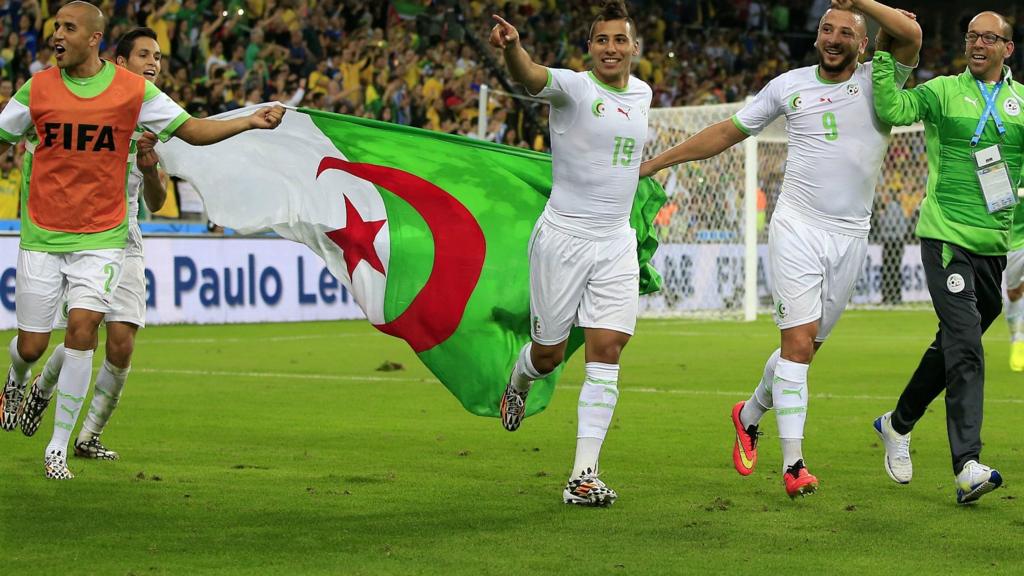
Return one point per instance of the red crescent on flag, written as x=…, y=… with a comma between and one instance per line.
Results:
x=459, y=249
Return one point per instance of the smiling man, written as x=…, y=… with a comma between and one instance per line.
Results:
x=78, y=119
x=970, y=218
x=138, y=52
x=583, y=260
x=817, y=240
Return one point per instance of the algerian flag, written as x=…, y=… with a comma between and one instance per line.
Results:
x=428, y=231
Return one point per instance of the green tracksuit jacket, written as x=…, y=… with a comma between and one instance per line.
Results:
x=954, y=208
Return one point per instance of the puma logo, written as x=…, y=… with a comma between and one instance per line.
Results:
x=971, y=100
x=793, y=392
x=623, y=112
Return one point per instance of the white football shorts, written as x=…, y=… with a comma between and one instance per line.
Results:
x=589, y=283
x=813, y=272
x=129, y=303
x=88, y=278
x=1014, y=273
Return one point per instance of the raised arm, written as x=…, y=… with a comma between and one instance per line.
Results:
x=900, y=34
x=894, y=105
x=522, y=68
x=707, y=143
x=202, y=131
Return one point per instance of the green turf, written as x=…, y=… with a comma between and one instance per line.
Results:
x=280, y=449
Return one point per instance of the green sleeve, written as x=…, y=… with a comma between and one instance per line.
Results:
x=896, y=106
x=22, y=94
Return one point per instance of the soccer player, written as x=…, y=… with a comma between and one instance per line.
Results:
x=817, y=239
x=79, y=118
x=974, y=135
x=583, y=261
x=138, y=52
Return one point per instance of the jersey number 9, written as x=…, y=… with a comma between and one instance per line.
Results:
x=828, y=120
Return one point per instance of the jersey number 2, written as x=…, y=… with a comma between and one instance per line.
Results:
x=828, y=120
x=625, y=146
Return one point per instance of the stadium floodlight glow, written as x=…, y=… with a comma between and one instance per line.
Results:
x=671, y=54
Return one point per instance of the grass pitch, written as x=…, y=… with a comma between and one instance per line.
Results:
x=281, y=449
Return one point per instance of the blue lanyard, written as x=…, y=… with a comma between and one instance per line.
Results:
x=990, y=110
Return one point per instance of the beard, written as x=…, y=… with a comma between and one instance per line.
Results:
x=848, y=58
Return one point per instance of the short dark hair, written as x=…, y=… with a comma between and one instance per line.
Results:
x=127, y=42
x=614, y=10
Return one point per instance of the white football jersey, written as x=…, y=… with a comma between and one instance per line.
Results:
x=598, y=134
x=134, y=245
x=836, y=145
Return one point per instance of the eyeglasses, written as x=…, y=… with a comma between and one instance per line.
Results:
x=989, y=38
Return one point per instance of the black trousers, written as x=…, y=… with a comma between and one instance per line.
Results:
x=966, y=291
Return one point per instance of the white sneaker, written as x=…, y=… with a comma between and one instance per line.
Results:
x=588, y=490
x=974, y=481
x=897, y=450
x=56, y=464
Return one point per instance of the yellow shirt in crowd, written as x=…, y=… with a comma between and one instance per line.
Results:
x=10, y=192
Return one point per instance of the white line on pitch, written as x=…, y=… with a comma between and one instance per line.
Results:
x=274, y=375
x=432, y=380
x=236, y=339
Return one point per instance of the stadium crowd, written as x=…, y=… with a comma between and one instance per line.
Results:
x=421, y=63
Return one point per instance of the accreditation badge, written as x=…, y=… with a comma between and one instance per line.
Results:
x=994, y=179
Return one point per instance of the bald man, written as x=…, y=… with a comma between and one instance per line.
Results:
x=974, y=134
x=79, y=119
x=817, y=242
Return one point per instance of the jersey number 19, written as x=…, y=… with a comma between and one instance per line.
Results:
x=623, y=153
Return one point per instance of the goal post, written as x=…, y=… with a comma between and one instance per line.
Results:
x=713, y=229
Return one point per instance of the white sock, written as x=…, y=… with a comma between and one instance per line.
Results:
x=107, y=392
x=761, y=400
x=72, y=386
x=792, y=450
x=789, y=395
x=524, y=372
x=598, y=397
x=1015, y=318
x=51, y=371
x=19, y=366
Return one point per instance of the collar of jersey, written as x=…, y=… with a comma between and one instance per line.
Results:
x=85, y=81
x=1007, y=78
x=823, y=80
x=606, y=86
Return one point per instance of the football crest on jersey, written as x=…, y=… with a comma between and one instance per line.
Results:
x=795, y=101
x=597, y=108
x=853, y=89
x=781, y=310
x=1012, y=106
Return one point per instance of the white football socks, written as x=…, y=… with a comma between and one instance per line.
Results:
x=18, y=364
x=761, y=400
x=598, y=397
x=72, y=386
x=524, y=373
x=789, y=396
x=1015, y=319
x=106, y=394
x=51, y=371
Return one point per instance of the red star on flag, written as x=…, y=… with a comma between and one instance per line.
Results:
x=356, y=239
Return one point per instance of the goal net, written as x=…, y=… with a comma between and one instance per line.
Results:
x=714, y=228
